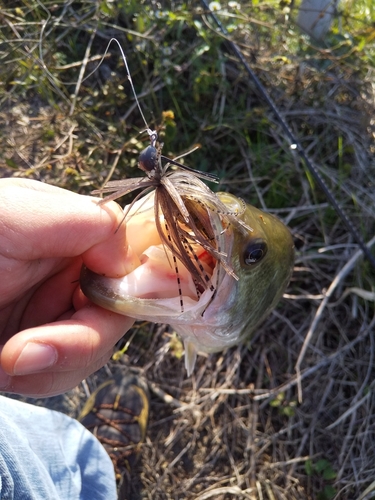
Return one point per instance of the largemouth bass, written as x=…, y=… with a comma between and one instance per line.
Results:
x=251, y=270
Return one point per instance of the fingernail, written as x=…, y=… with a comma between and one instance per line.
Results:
x=4, y=379
x=35, y=357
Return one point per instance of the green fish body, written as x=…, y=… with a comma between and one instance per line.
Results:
x=261, y=260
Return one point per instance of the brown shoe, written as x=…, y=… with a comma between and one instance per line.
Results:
x=117, y=414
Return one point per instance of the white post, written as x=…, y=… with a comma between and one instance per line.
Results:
x=315, y=16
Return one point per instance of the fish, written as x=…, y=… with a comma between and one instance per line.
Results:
x=248, y=275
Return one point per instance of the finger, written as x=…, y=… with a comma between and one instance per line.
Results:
x=51, y=383
x=59, y=223
x=53, y=298
x=64, y=346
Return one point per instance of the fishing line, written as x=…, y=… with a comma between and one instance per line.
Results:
x=150, y=158
x=294, y=143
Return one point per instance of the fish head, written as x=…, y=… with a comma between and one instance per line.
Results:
x=261, y=256
x=263, y=260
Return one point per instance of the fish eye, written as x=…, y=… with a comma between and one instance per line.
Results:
x=254, y=252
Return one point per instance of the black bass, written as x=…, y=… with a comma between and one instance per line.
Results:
x=259, y=256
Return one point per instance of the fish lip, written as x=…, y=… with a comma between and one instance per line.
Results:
x=203, y=328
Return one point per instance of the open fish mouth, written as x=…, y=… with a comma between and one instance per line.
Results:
x=208, y=313
x=161, y=289
x=159, y=277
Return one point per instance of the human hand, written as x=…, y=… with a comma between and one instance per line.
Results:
x=52, y=337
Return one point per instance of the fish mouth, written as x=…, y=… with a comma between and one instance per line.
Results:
x=161, y=289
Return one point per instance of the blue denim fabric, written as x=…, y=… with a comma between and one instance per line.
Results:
x=46, y=455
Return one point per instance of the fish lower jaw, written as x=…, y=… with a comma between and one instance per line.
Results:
x=200, y=323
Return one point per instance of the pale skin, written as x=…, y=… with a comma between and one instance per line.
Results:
x=51, y=336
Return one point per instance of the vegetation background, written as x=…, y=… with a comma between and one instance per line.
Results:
x=291, y=414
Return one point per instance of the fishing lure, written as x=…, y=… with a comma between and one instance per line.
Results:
x=187, y=212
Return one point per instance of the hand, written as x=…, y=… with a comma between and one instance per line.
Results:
x=52, y=336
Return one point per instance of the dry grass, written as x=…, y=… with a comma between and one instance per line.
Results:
x=245, y=425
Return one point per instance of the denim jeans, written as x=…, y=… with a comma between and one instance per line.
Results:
x=46, y=455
